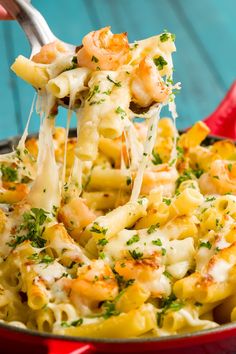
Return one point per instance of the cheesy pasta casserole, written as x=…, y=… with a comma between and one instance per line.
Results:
x=128, y=229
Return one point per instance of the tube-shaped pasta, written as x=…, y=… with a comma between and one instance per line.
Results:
x=45, y=320
x=111, y=126
x=191, y=183
x=133, y=297
x=105, y=179
x=103, y=200
x=62, y=245
x=194, y=136
x=217, y=281
x=155, y=215
x=118, y=219
x=180, y=228
x=166, y=128
x=110, y=148
x=69, y=82
x=131, y=324
x=186, y=202
x=34, y=73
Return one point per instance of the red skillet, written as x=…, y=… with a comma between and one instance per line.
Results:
x=219, y=340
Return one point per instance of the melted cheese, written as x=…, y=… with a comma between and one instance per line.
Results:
x=45, y=191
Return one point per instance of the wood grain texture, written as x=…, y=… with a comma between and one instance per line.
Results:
x=204, y=61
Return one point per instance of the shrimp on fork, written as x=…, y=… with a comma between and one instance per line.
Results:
x=147, y=84
x=104, y=50
x=49, y=52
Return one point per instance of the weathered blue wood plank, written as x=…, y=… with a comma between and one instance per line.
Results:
x=212, y=26
x=8, y=124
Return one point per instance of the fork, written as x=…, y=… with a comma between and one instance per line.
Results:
x=33, y=24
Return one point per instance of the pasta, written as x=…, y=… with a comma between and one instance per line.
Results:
x=127, y=230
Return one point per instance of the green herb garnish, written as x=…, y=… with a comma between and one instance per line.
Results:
x=156, y=159
x=117, y=84
x=133, y=239
x=160, y=62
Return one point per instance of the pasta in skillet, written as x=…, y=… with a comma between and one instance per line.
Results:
x=128, y=229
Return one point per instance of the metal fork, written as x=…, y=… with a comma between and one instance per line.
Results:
x=33, y=24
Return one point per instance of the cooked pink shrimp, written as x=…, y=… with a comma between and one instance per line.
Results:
x=104, y=50
x=95, y=282
x=221, y=178
x=146, y=272
x=147, y=85
x=49, y=52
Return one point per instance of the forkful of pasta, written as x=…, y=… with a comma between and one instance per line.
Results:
x=142, y=64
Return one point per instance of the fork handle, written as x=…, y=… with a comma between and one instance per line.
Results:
x=32, y=22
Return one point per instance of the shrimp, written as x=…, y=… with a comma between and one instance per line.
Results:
x=146, y=272
x=220, y=179
x=163, y=175
x=95, y=282
x=147, y=85
x=49, y=52
x=76, y=216
x=104, y=50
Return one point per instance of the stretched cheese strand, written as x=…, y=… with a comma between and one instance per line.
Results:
x=45, y=191
x=148, y=147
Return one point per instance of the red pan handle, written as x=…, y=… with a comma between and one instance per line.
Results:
x=63, y=347
x=222, y=121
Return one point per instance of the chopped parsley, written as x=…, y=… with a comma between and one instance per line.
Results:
x=163, y=251
x=230, y=166
x=102, y=241
x=168, y=304
x=180, y=152
x=120, y=111
x=94, y=59
x=110, y=309
x=136, y=255
x=156, y=159
x=133, y=239
x=152, y=228
x=189, y=174
x=166, y=36
x=102, y=255
x=167, y=201
x=128, y=181
x=168, y=275
x=210, y=199
x=33, y=225
x=205, y=244
x=93, y=92
x=47, y=259
x=98, y=229
x=160, y=62
x=97, y=102
x=117, y=84
x=107, y=92
x=9, y=174
x=157, y=242
x=75, y=323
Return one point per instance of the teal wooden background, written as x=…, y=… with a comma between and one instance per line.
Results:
x=205, y=61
